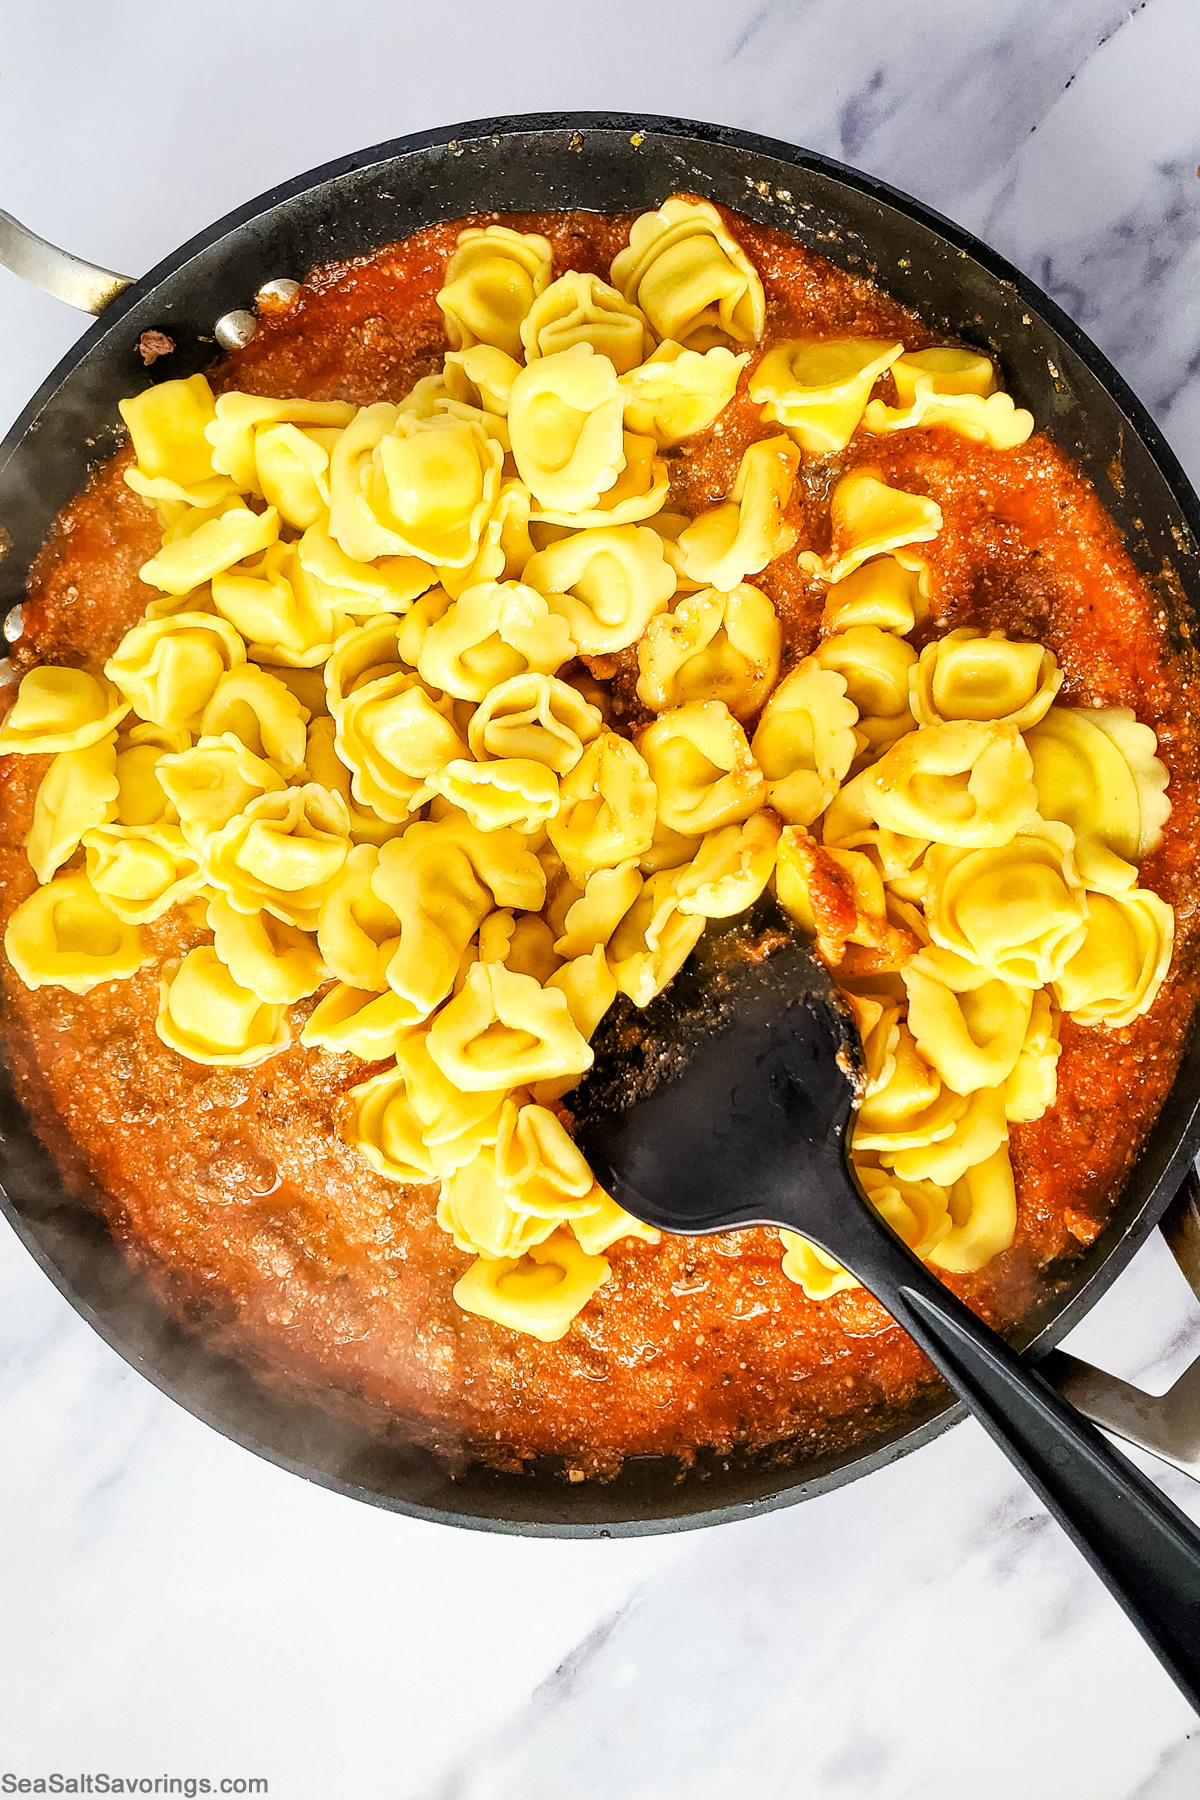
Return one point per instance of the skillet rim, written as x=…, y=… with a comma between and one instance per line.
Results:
x=786, y=1489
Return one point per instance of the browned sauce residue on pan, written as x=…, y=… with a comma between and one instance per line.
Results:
x=231, y=1187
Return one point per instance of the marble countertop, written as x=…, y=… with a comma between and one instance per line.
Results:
x=173, y=1606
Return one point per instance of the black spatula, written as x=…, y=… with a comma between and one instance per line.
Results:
x=727, y=1102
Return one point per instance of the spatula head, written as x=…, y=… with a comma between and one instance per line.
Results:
x=729, y=1095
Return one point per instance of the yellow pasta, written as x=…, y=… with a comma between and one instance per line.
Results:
x=712, y=646
x=731, y=868
x=205, y=544
x=78, y=791
x=1096, y=771
x=1115, y=974
x=208, y=784
x=442, y=879
x=916, y=1210
x=877, y=668
x=967, y=784
x=207, y=1016
x=747, y=531
x=582, y=309
x=1031, y=1088
x=654, y=939
x=492, y=279
x=968, y=1025
x=868, y=518
x=522, y=942
x=141, y=870
x=503, y=1028
x=702, y=767
x=280, y=853
x=805, y=741
x=539, y=1293
x=967, y=675
x=1017, y=909
x=393, y=734
x=606, y=1224
x=284, y=615
x=506, y=791
x=141, y=797
x=389, y=584
x=955, y=388
x=169, y=669
x=566, y=423
x=277, y=962
x=607, y=584
x=373, y=651
x=59, y=709
x=357, y=932
x=493, y=632
x=66, y=935
x=676, y=393
x=404, y=486
x=455, y=1126
x=481, y=1213
x=691, y=277
x=323, y=765
x=640, y=491
x=262, y=713
x=381, y=1124
x=983, y=1209
x=167, y=424
x=591, y=919
x=607, y=808
x=348, y=1021
x=817, y=388
x=889, y=591
x=534, y=718
x=239, y=424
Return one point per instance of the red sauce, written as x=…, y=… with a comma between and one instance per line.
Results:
x=232, y=1189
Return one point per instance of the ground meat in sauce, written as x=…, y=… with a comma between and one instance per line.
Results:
x=232, y=1189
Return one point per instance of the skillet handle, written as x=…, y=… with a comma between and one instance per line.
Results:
x=1143, y=1548
x=67, y=277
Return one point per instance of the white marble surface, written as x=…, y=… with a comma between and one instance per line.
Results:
x=172, y=1605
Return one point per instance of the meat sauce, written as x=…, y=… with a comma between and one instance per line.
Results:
x=231, y=1188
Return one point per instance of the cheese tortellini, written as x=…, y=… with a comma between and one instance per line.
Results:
x=447, y=728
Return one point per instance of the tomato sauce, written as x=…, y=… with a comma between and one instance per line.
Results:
x=231, y=1188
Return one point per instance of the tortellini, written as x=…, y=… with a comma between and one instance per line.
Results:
x=1096, y=771
x=79, y=790
x=262, y=713
x=204, y=544
x=712, y=646
x=406, y=486
x=538, y=1293
x=1120, y=965
x=214, y=780
x=393, y=734
x=817, y=388
x=280, y=853
x=504, y=1028
x=209, y=1017
x=141, y=870
x=382, y=1124
x=890, y=592
x=969, y=784
x=534, y=718
x=167, y=424
x=493, y=632
x=58, y=709
x=66, y=935
x=676, y=393
x=507, y=791
x=607, y=810
x=582, y=309
x=1017, y=909
x=654, y=939
x=691, y=277
x=357, y=932
x=442, y=878
x=566, y=426
x=868, y=518
x=169, y=669
x=606, y=583
x=278, y=962
x=966, y=675
x=702, y=767
x=956, y=388
x=747, y=531
x=492, y=280
x=806, y=741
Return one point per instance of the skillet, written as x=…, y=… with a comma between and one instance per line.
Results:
x=606, y=163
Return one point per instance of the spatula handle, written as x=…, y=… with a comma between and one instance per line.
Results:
x=1143, y=1548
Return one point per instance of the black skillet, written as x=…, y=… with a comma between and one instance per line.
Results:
x=604, y=163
